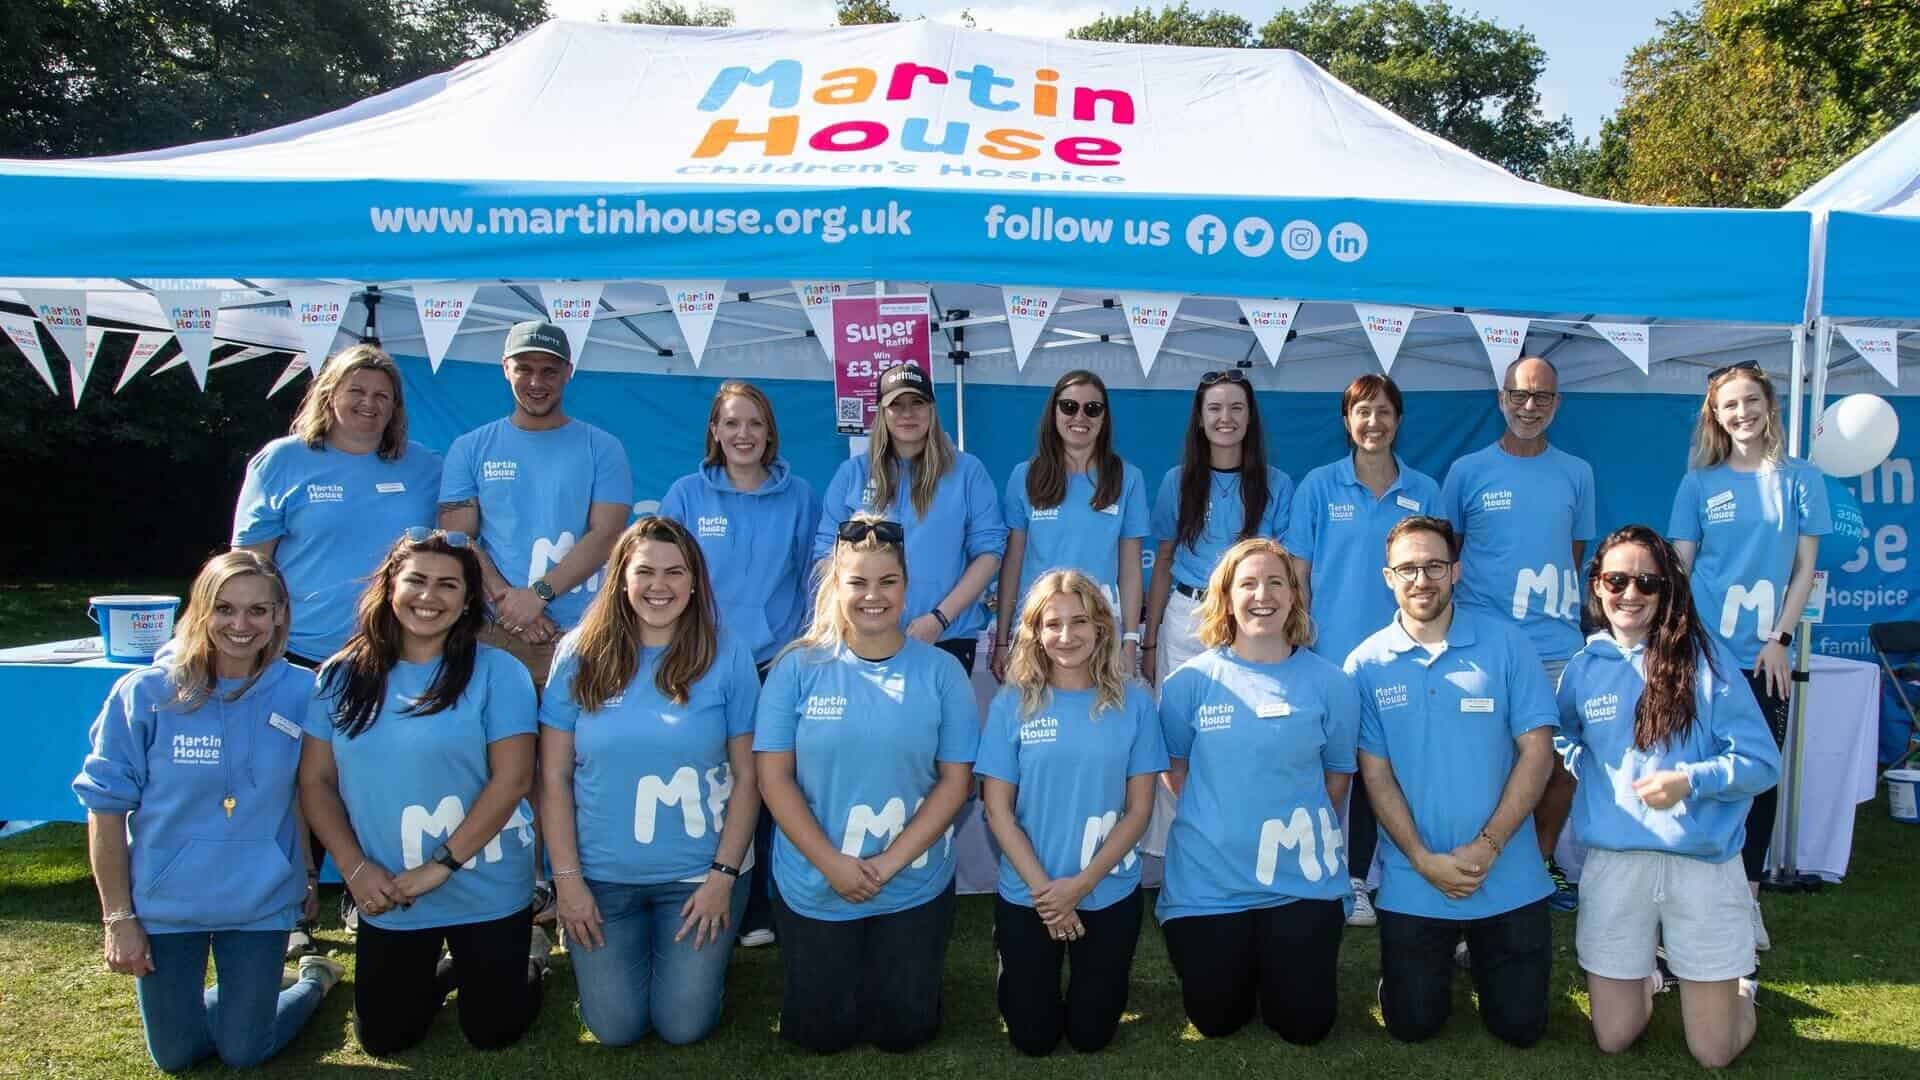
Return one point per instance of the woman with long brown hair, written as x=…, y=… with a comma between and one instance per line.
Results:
x=1746, y=524
x=1069, y=758
x=648, y=797
x=194, y=830
x=1669, y=750
x=325, y=501
x=416, y=766
x=1074, y=505
x=945, y=505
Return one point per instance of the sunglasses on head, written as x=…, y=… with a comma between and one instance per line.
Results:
x=887, y=532
x=1744, y=365
x=1232, y=375
x=1616, y=582
x=1069, y=407
x=420, y=534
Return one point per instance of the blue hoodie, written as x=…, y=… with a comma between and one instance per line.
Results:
x=1728, y=755
x=757, y=545
x=194, y=867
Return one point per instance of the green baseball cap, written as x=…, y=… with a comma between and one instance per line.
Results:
x=537, y=336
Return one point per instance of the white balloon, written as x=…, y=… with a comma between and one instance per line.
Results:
x=1854, y=435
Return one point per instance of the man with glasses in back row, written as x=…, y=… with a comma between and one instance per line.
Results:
x=1456, y=744
x=1524, y=514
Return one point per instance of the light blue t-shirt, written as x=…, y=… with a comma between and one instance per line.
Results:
x=1075, y=536
x=1339, y=527
x=1727, y=754
x=651, y=779
x=336, y=516
x=535, y=490
x=962, y=524
x=1447, y=725
x=408, y=782
x=1517, y=519
x=1255, y=826
x=866, y=738
x=758, y=548
x=1071, y=768
x=1747, y=525
x=1193, y=563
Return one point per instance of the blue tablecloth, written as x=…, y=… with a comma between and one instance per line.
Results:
x=46, y=707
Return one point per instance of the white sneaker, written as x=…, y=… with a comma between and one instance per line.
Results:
x=754, y=939
x=1363, y=913
x=539, y=949
x=1760, y=942
x=1462, y=958
x=321, y=970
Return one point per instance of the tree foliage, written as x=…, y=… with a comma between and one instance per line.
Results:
x=1463, y=78
x=674, y=13
x=864, y=12
x=84, y=77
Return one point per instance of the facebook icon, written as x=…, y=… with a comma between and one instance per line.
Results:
x=1206, y=234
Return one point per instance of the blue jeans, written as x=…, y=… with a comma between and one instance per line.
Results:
x=246, y=1018
x=640, y=979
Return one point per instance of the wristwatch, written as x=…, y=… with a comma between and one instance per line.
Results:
x=1131, y=635
x=1783, y=639
x=541, y=589
x=444, y=856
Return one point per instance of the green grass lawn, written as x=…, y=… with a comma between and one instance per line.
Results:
x=1839, y=997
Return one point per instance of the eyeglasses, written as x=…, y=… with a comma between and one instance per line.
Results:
x=1069, y=407
x=1412, y=572
x=1744, y=365
x=1539, y=399
x=420, y=534
x=1232, y=375
x=887, y=532
x=1616, y=583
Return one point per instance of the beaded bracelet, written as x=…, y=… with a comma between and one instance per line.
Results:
x=123, y=915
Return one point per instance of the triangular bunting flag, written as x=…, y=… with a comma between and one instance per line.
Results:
x=317, y=310
x=1386, y=326
x=64, y=311
x=1632, y=339
x=249, y=353
x=145, y=347
x=441, y=307
x=192, y=314
x=1877, y=345
x=816, y=300
x=25, y=335
x=1504, y=339
x=695, y=305
x=294, y=367
x=1028, y=309
x=1149, y=317
x=1271, y=322
x=570, y=306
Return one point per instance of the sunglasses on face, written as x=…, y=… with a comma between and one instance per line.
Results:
x=1744, y=365
x=888, y=532
x=1616, y=583
x=1230, y=375
x=420, y=534
x=1412, y=572
x=1069, y=407
x=1540, y=399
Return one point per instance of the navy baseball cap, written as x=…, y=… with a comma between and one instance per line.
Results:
x=904, y=379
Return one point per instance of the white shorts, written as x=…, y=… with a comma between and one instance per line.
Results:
x=1631, y=901
x=1177, y=644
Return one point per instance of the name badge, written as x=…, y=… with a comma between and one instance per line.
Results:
x=1476, y=704
x=284, y=726
x=1273, y=710
x=390, y=488
x=1407, y=504
x=1720, y=500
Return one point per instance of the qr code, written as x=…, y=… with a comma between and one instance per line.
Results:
x=852, y=410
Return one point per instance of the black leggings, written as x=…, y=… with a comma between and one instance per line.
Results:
x=397, y=985
x=1363, y=829
x=873, y=980
x=1760, y=817
x=961, y=649
x=1286, y=958
x=1029, y=985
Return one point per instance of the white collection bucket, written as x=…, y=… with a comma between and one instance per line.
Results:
x=1902, y=787
x=132, y=628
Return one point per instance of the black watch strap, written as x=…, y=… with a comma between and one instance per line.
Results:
x=444, y=856
x=730, y=871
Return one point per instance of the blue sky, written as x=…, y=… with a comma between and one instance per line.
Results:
x=1585, y=42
